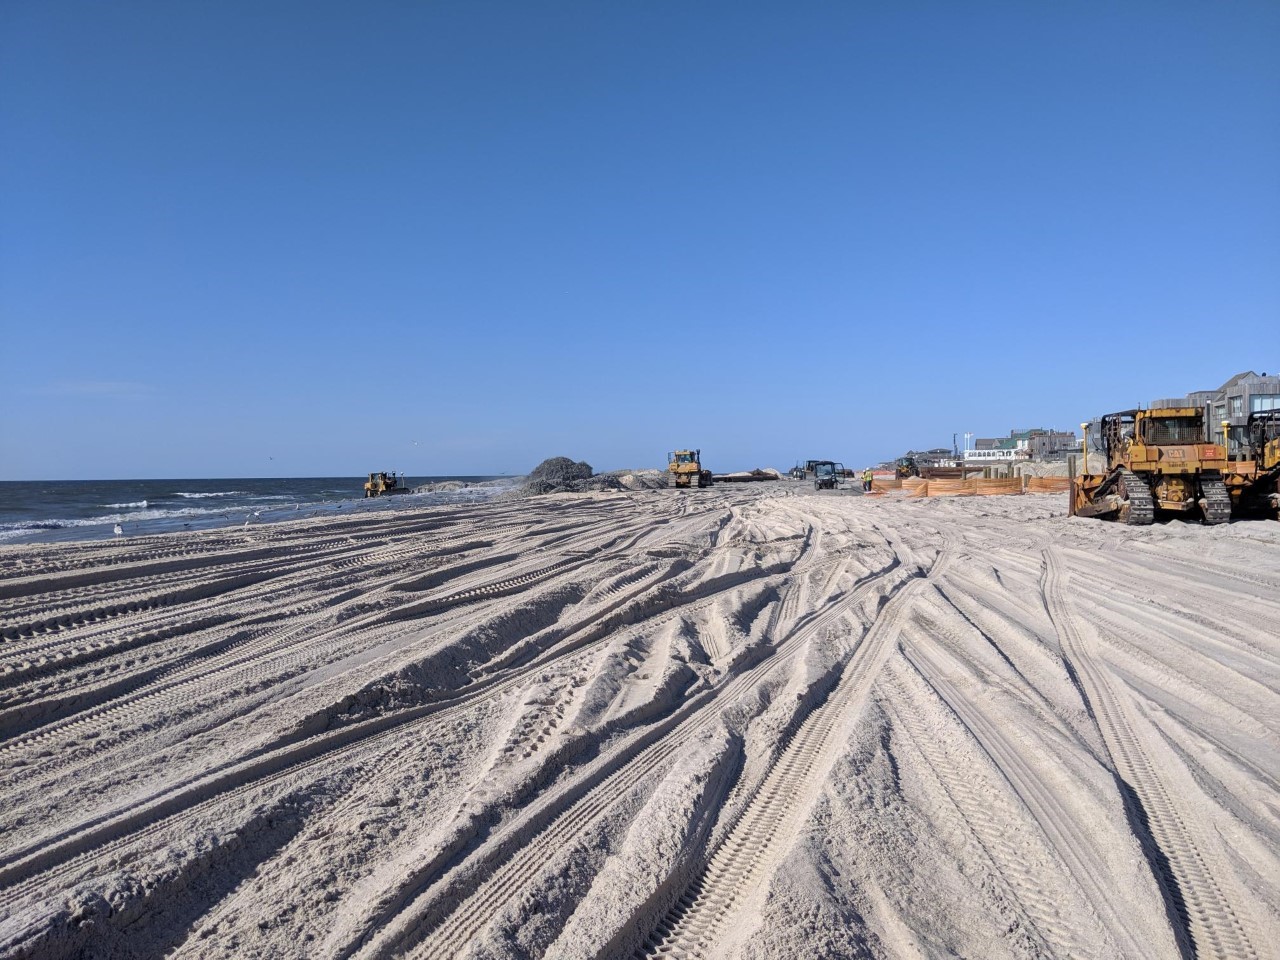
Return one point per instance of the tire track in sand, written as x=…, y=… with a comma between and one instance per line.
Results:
x=450, y=914
x=988, y=819
x=1183, y=866
x=32, y=868
x=764, y=828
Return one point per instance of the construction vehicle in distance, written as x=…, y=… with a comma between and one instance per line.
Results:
x=827, y=475
x=906, y=467
x=1254, y=484
x=384, y=484
x=1157, y=461
x=684, y=468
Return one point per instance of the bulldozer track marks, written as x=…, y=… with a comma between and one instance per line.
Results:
x=510, y=863
x=458, y=716
x=988, y=819
x=122, y=830
x=1183, y=864
x=737, y=864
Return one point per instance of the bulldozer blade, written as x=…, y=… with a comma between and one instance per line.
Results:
x=1100, y=507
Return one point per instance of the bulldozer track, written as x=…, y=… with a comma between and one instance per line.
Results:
x=769, y=819
x=1183, y=865
x=1217, y=502
x=1137, y=496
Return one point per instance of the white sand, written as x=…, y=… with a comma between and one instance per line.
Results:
x=751, y=721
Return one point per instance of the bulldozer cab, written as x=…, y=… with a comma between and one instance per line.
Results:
x=684, y=456
x=1149, y=437
x=1170, y=431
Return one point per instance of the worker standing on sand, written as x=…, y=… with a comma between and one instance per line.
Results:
x=867, y=476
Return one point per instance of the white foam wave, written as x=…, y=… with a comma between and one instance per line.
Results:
x=118, y=506
x=10, y=530
x=203, y=496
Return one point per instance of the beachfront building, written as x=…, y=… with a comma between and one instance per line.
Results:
x=1243, y=394
x=1034, y=444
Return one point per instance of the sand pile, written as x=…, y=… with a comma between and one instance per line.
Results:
x=563, y=475
x=753, y=722
x=556, y=475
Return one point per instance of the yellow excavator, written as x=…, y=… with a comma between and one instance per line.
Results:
x=1254, y=484
x=1156, y=462
x=684, y=469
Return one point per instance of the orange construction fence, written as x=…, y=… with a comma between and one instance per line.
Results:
x=997, y=486
x=975, y=486
x=1048, y=484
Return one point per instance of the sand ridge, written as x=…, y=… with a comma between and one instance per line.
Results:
x=748, y=721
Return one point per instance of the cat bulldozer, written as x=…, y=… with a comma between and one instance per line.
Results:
x=684, y=469
x=1156, y=462
x=1254, y=484
x=384, y=484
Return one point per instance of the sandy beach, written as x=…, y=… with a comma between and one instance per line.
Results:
x=752, y=721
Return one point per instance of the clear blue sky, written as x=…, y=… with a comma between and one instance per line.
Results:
x=319, y=232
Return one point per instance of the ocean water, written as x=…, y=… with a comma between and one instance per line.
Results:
x=56, y=510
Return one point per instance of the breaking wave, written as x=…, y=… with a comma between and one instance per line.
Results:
x=137, y=503
x=221, y=493
x=10, y=530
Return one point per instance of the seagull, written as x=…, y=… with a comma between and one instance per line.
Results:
x=119, y=530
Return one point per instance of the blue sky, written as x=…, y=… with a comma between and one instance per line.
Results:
x=320, y=233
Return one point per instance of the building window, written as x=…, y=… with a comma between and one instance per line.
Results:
x=1264, y=402
x=1220, y=412
x=1237, y=406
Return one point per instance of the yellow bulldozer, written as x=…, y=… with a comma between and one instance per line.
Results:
x=1156, y=462
x=1254, y=484
x=684, y=469
x=384, y=484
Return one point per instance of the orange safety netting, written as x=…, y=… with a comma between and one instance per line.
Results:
x=887, y=483
x=976, y=486
x=916, y=487
x=1048, y=484
x=1002, y=486
x=950, y=488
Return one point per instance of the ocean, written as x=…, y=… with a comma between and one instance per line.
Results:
x=56, y=510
